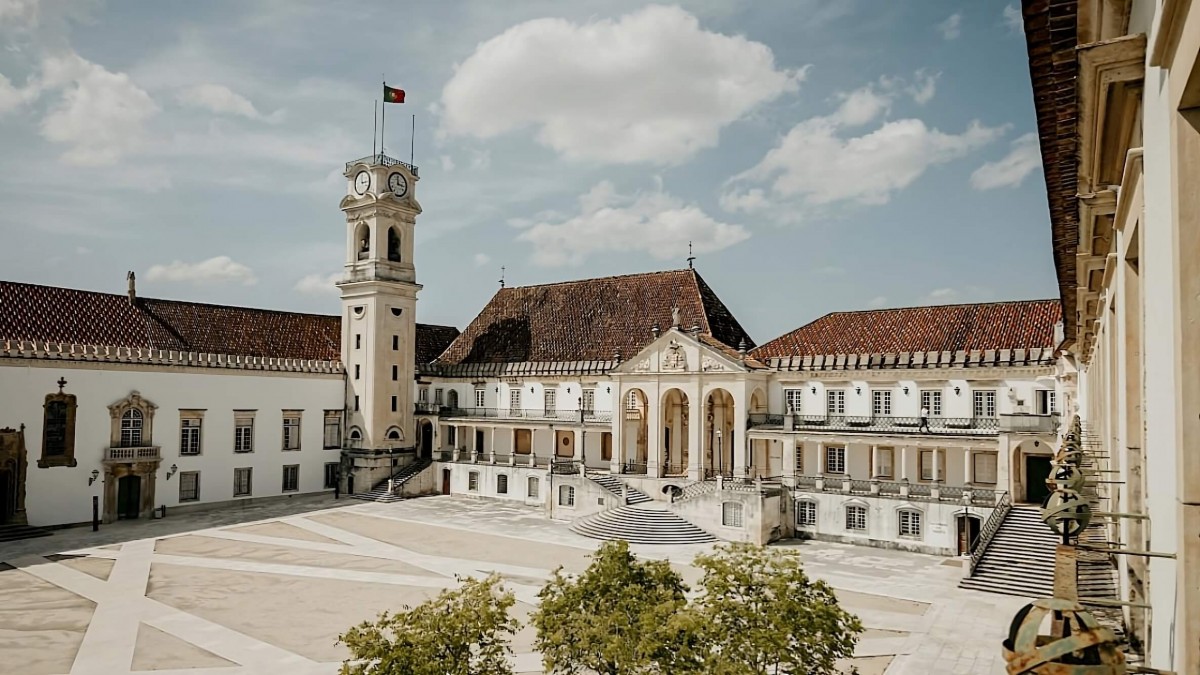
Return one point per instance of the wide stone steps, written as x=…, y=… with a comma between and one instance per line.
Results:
x=16, y=532
x=641, y=525
x=615, y=485
x=380, y=492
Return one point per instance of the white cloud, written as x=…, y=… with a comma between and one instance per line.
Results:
x=951, y=28
x=219, y=99
x=482, y=259
x=1024, y=158
x=943, y=294
x=102, y=114
x=16, y=12
x=447, y=163
x=651, y=86
x=12, y=96
x=923, y=87
x=318, y=284
x=877, y=302
x=649, y=222
x=1013, y=19
x=219, y=270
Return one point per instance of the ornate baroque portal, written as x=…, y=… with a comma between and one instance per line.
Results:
x=131, y=461
x=13, y=464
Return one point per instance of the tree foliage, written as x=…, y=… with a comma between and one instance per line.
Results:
x=616, y=618
x=761, y=615
x=464, y=631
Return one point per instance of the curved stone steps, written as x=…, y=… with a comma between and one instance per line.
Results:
x=617, y=486
x=641, y=525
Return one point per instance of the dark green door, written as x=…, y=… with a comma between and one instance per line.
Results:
x=1037, y=470
x=129, y=496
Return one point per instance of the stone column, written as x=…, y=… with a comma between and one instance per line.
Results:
x=618, y=433
x=789, y=457
x=695, y=436
x=966, y=466
x=903, y=463
x=874, y=461
x=739, y=438
x=654, y=433
x=937, y=472
x=821, y=458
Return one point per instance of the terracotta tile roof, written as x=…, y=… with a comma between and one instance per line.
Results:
x=1025, y=324
x=52, y=314
x=591, y=319
x=1050, y=36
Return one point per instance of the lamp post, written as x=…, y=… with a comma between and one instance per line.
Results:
x=720, y=454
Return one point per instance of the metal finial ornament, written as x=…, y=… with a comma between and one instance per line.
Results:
x=62, y=382
x=502, y=276
x=691, y=258
x=1068, y=476
x=1084, y=647
x=1067, y=513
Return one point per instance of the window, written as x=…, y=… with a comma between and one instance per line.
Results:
x=856, y=518
x=1045, y=402
x=356, y=403
x=910, y=523
x=480, y=397
x=189, y=486
x=588, y=403
x=291, y=477
x=502, y=484
x=242, y=482
x=358, y=340
x=532, y=487
x=514, y=399
x=983, y=465
x=884, y=461
x=189, y=433
x=394, y=403
x=58, y=431
x=243, y=432
x=835, y=460
x=131, y=428
x=333, y=429
x=452, y=399
x=451, y=435
x=331, y=475
x=632, y=402
x=806, y=513
x=731, y=514
x=800, y=458
x=792, y=399
x=551, y=399
x=522, y=441
x=291, y=430
x=835, y=402
x=606, y=446
x=566, y=495
x=473, y=481
x=985, y=405
x=423, y=394
x=395, y=373
x=925, y=462
x=437, y=396
x=357, y=371
x=931, y=400
x=395, y=343
x=881, y=403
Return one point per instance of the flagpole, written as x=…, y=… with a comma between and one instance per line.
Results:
x=411, y=140
x=375, y=126
x=383, y=127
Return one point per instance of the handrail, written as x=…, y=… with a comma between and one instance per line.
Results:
x=989, y=530
x=877, y=423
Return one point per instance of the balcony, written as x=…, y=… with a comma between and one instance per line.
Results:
x=938, y=426
x=1024, y=423
x=916, y=492
x=129, y=455
x=563, y=416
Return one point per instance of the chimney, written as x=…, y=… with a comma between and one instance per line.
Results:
x=132, y=279
x=655, y=330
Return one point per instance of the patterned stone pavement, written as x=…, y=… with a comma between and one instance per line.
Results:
x=271, y=593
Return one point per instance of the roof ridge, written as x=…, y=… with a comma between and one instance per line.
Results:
x=948, y=304
x=595, y=279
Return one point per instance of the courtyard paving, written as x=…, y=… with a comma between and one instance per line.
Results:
x=268, y=589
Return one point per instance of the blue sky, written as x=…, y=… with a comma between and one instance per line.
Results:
x=822, y=156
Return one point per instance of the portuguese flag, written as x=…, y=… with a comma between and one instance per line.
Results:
x=392, y=95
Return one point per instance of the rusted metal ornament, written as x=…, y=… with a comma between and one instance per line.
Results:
x=1066, y=512
x=1085, y=648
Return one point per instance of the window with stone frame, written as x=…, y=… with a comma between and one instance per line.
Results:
x=514, y=398
x=792, y=399
x=190, y=431
x=800, y=458
x=885, y=460
x=983, y=468
x=931, y=400
x=588, y=401
x=333, y=429
x=243, y=481
x=132, y=422
x=731, y=514
x=881, y=403
x=566, y=495
x=437, y=395
x=58, y=430
x=910, y=523
x=131, y=428
x=835, y=402
x=550, y=397
x=835, y=460
x=502, y=484
x=189, y=486
x=984, y=404
x=291, y=478
x=806, y=513
x=331, y=475
x=473, y=481
x=291, y=430
x=480, y=397
x=532, y=487
x=925, y=464
x=856, y=518
x=1044, y=399
x=243, y=431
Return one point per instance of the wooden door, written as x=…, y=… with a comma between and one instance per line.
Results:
x=129, y=496
x=445, y=481
x=1037, y=470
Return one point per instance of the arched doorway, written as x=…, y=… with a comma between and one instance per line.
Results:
x=635, y=430
x=426, y=440
x=675, y=417
x=718, y=434
x=1031, y=466
x=967, y=526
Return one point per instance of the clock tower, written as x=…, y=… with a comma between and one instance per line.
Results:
x=379, y=301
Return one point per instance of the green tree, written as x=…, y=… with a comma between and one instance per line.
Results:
x=762, y=615
x=464, y=631
x=619, y=617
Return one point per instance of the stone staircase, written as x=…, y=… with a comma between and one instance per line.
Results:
x=380, y=492
x=641, y=524
x=618, y=487
x=15, y=532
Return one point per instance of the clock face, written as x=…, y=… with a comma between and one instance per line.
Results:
x=398, y=184
x=362, y=182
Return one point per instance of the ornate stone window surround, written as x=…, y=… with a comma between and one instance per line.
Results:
x=64, y=404
x=134, y=403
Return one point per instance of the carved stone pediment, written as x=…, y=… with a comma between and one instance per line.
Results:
x=674, y=359
x=710, y=365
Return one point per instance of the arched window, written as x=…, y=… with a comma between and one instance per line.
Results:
x=393, y=245
x=362, y=241
x=393, y=434
x=502, y=484
x=806, y=513
x=731, y=514
x=131, y=428
x=910, y=523
x=355, y=435
x=532, y=487
x=452, y=399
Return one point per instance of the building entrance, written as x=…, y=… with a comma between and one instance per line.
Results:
x=129, y=497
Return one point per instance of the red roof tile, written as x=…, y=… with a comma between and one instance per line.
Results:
x=52, y=314
x=591, y=319
x=1023, y=324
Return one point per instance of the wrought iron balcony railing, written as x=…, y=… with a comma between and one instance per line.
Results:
x=565, y=416
x=878, y=424
x=383, y=160
x=919, y=492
